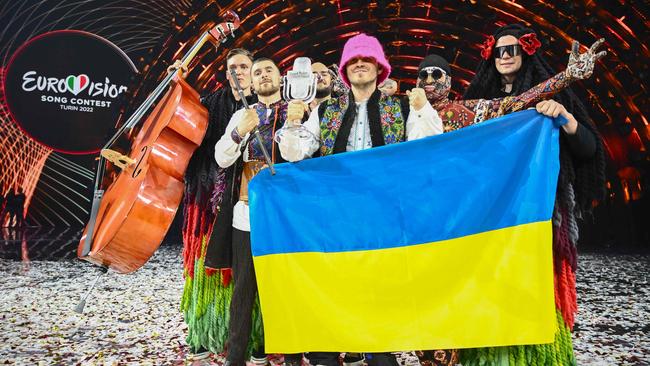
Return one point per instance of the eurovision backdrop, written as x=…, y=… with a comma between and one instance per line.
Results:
x=56, y=169
x=66, y=68
x=76, y=90
x=411, y=245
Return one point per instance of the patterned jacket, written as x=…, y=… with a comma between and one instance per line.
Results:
x=387, y=117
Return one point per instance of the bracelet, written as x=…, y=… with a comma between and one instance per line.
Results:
x=234, y=135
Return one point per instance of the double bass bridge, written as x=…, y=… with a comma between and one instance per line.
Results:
x=117, y=158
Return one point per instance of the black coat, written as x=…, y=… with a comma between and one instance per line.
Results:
x=202, y=170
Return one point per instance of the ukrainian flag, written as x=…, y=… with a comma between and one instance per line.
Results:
x=443, y=242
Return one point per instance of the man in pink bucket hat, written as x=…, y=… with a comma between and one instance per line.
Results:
x=362, y=119
x=364, y=46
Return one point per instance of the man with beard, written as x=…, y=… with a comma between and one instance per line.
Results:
x=434, y=76
x=206, y=295
x=324, y=86
x=239, y=150
x=362, y=119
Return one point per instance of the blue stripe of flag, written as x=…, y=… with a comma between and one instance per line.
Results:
x=494, y=175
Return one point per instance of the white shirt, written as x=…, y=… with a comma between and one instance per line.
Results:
x=359, y=138
x=226, y=153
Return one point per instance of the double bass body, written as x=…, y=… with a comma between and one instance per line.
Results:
x=139, y=207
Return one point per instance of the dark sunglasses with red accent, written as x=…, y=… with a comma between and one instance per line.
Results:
x=435, y=72
x=512, y=50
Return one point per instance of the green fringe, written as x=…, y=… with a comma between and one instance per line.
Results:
x=559, y=353
x=257, y=333
x=206, y=306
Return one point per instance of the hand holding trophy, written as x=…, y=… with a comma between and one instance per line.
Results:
x=299, y=89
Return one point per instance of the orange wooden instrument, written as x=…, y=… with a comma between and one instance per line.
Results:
x=129, y=221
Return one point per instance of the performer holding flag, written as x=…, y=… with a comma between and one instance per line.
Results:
x=363, y=119
x=434, y=76
x=513, y=63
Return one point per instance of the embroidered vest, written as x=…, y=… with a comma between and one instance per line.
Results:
x=390, y=115
x=267, y=127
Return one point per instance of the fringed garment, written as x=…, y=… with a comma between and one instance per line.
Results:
x=207, y=292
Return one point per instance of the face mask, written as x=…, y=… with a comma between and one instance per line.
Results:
x=438, y=90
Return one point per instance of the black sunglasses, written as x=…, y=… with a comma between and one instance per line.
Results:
x=512, y=50
x=435, y=72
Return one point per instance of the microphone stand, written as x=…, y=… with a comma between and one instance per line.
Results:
x=255, y=131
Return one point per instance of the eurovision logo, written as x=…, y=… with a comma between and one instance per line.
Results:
x=73, y=84
x=65, y=89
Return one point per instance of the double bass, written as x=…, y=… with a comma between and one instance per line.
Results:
x=129, y=220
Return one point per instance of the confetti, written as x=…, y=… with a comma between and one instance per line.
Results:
x=135, y=319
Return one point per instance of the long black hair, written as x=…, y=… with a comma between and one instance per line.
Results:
x=587, y=177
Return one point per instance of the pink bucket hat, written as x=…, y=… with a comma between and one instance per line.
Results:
x=363, y=45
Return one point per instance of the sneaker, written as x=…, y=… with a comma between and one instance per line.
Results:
x=261, y=361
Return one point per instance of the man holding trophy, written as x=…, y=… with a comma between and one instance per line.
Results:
x=249, y=144
x=240, y=146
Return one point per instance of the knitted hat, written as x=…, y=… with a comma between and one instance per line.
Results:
x=363, y=45
x=435, y=60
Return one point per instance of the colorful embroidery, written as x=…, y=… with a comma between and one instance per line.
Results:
x=479, y=110
x=438, y=357
x=392, y=119
x=331, y=122
x=454, y=115
x=390, y=114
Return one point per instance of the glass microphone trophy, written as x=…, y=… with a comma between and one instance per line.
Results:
x=299, y=84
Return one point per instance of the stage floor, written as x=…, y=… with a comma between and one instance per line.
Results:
x=135, y=319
